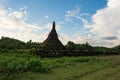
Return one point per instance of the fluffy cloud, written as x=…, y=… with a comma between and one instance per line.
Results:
x=76, y=38
x=105, y=26
x=13, y=24
x=106, y=23
x=103, y=31
x=83, y=34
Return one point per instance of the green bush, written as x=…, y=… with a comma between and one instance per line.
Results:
x=35, y=65
x=22, y=63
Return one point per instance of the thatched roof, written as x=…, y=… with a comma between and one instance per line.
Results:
x=52, y=42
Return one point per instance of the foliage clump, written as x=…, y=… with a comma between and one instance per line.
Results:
x=13, y=44
x=17, y=63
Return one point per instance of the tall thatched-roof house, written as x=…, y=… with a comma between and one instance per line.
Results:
x=52, y=42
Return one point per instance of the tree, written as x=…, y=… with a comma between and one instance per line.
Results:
x=87, y=46
x=70, y=46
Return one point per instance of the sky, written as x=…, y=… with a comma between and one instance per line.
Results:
x=94, y=21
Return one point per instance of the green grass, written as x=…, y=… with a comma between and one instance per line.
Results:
x=27, y=67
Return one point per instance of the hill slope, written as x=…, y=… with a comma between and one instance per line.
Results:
x=10, y=43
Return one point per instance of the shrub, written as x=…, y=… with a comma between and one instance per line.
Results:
x=22, y=63
x=36, y=65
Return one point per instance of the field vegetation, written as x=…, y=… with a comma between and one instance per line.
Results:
x=21, y=65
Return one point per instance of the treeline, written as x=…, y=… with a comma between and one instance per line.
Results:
x=71, y=48
x=87, y=47
x=13, y=44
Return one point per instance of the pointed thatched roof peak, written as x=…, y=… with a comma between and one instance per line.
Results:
x=52, y=42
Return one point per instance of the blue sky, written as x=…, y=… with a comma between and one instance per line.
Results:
x=55, y=9
x=77, y=20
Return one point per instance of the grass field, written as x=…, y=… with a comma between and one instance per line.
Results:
x=27, y=67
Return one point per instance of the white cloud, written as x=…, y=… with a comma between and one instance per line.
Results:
x=19, y=16
x=106, y=22
x=46, y=17
x=13, y=24
x=80, y=36
x=48, y=26
x=76, y=38
x=76, y=13
x=104, y=27
x=73, y=12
